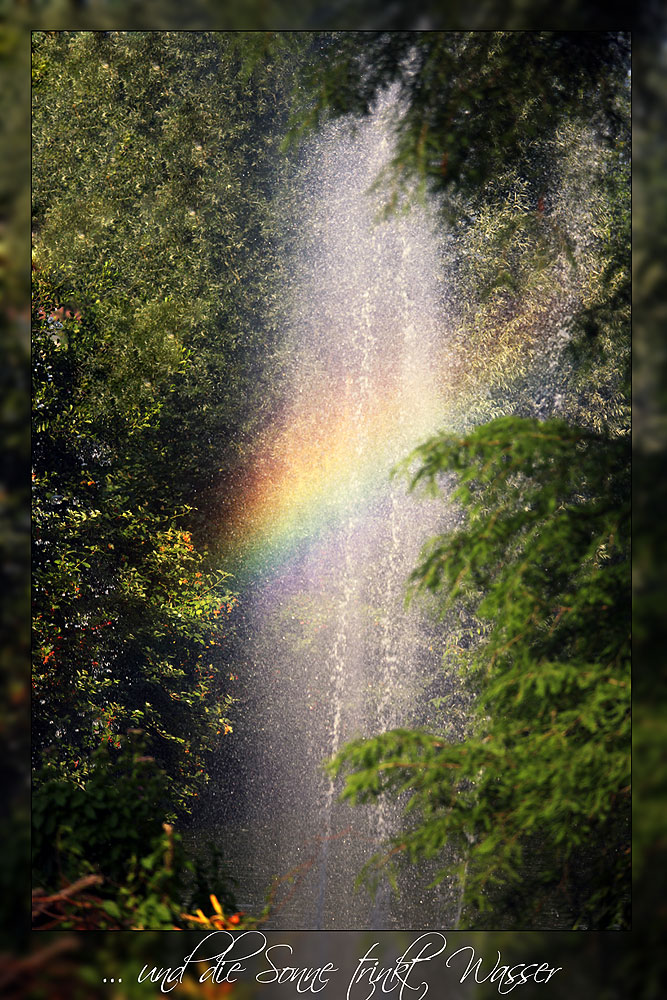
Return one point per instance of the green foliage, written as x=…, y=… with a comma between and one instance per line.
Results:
x=159, y=264
x=115, y=802
x=522, y=143
x=127, y=626
x=154, y=169
x=541, y=307
x=473, y=103
x=156, y=262
x=155, y=317
x=108, y=824
x=542, y=558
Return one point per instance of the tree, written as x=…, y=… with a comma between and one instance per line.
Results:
x=521, y=143
x=155, y=163
x=125, y=610
x=542, y=561
x=473, y=104
x=102, y=858
x=155, y=319
x=155, y=344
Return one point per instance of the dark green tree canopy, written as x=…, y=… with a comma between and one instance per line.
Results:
x=542, y=561
x=156, y=263
x=473, y=104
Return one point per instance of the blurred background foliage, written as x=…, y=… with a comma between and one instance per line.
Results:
x=156, y=270
x=607, y=966
x=155, y=276
x=299, y=14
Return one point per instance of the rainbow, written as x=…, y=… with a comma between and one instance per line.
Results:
x=331, y=450
x=330, y=453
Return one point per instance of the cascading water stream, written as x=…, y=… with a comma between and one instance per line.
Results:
x=337, y=665
x=334, y=652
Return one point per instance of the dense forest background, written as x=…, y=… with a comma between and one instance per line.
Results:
x=156, y=357
x=131, y=421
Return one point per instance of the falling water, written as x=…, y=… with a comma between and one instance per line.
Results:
x=333, y=653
